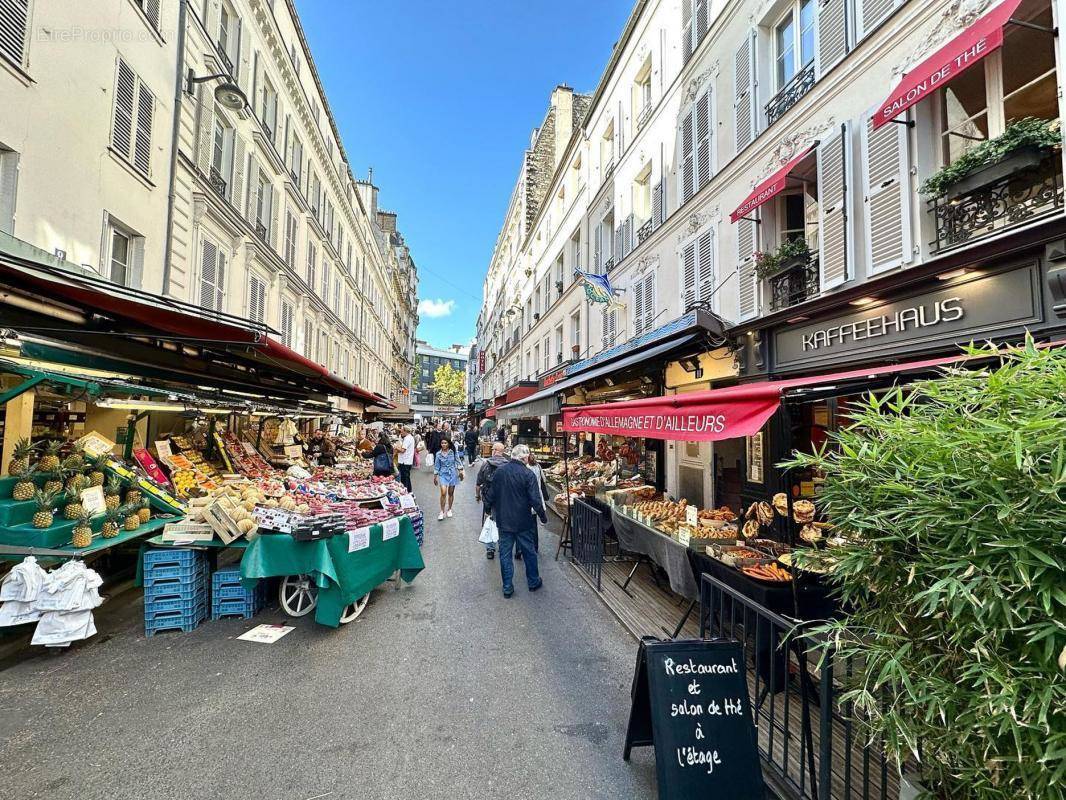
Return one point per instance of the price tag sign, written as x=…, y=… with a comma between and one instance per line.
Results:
x=359, y=539
x=407, y=501
x=162, y=449
x=92, y=500
x=384, y=502
x=684, y=534
x=692, y=515
x=390, y=529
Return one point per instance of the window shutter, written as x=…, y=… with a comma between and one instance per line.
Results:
x=125, y=92
x=886, y=196
x=689, y=275
x=872, y=13
x=832, y=34
x=220, y=281
x=253, y=190
x=9, y=173
x=701, y=21
x=135, y=274
x=657, y=205
x=239, y=159
x=599, y=249
x=207, y=128
x=151, y=10
x=286, y=324
x=14, y=22
x=744, y=92
x=627, y=235
x=688, y=155
x=257, y=85
x=686, y=30
x=208, y=273
x=747, y=301
x=833, y=172
x=286, y=153
x=256, y=299
x=142, y=144
x=638, y=305
x=705, y=262
x=274, y=223
x=703, y=140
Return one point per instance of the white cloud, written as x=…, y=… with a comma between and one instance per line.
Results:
x=435, y=308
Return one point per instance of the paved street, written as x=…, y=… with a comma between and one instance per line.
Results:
x=440, y=690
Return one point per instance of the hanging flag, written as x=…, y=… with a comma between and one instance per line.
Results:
x=598, y=289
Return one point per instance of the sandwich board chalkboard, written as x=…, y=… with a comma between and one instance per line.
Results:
x=690, y=701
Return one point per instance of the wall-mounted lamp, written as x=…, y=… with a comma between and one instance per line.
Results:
x=228, y=94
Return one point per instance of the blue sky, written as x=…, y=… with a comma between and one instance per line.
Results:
x=440, y=99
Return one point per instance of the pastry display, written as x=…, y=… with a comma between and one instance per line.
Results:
x=768, y=572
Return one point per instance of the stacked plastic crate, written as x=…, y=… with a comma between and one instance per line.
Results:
x=175, y=590
x=229, y=598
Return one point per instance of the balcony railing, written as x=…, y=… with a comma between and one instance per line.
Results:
x=801, y=83
x=218, y=183
x=644, y=116
x=988, y=203
x=224, y=58
x=608, y=264
x=261, y=231
x=794, y=286
x=644, y=231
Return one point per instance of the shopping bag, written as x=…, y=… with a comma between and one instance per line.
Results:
x=429, y=460
x=489, y=534
x=418, y=460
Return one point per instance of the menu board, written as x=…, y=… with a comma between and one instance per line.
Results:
x=690, y=701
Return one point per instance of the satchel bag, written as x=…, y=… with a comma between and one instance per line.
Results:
x=382, y=463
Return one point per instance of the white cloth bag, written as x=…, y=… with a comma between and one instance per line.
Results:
x=489, y=533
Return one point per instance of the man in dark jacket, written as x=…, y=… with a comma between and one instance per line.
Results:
x=516, y=502
x=471, y=441
x=481, y=488
x=433, y=440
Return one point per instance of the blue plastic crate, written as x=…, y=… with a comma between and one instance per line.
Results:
x=172, y=556
x=227, y=576
x=188, y=574
x=229, y=592
x=153, y=608
x=180, y=620
x=166, y=590
x=235, y=608
x=177, y=608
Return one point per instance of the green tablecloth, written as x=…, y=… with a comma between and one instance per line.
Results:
x=342, y=577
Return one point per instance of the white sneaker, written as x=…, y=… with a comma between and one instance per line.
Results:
x=440, y=515
x=450, y=514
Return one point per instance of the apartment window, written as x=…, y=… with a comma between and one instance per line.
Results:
x=536, y=303
x=150, y=9
x=641, y=99
x=610, y=327
x=559, y=343
x=547, y=355
x=290, y=239
x=324, y=288
x=794, y=41
x=296, y=160
x=256, y=299
x=560, y=276
x=229, y=37
x=309, y=337
x=694, y=25
x=793, y=212
x=696, y=146
x=575, y=333
x=14, y=26
x=9, y=173
x=607, y=151
x=287, y=313
x=212, y=275
x=264, y=197
x=123, y=254
x=336, y=293
x=644, y=304
x=575, y=253
x=268, y=110
x=295, y=56
x=131, y=129
x=642, y=196
x=312, y=259
x=222, y=156
x=1016, y=82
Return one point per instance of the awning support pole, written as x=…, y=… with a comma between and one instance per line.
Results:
x=908, y=122
x=1033, y=26
x=25, y=386
x=131, y=432
x=18, y=424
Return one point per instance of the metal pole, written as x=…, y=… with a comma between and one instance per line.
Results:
x=174, y=135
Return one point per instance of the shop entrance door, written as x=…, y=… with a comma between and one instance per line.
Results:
x=695, y=478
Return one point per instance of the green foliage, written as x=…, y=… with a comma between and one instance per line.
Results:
x=768, y=264
x=1028, y=132
x=951, y=496
x=449, y=386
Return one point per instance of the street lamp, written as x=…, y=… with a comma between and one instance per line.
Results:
x=228, y=94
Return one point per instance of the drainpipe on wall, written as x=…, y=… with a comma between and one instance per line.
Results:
x=179, y=85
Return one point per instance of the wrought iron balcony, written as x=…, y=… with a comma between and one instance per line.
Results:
x=218, y=183
x=1021, y=189
x=224, y=59
x=790, y=94
x=794, y=285
x=644, y=231
x=608, y=264
x=261, y=231
x=644, y=116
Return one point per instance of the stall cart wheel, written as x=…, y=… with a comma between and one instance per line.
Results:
x=298, y=595
x=353, y=611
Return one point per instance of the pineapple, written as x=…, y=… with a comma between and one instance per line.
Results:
x=53, y=482
x=83, y=532
x=50, y=460
x=25, y=487
x=113, y=494
x=130, y=520
x=133, y=496
x=96, y=476
x=144, y=512
x=77, y=482
x=75, y=462
x=44, y=517
x=20, y=458
x=111, y=526
x=73, y=508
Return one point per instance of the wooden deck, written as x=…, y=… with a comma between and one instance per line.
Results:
x=786, y=740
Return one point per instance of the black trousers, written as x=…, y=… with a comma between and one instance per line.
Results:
x=405, y=475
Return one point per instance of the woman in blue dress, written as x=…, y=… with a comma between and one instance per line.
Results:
x=447, y=472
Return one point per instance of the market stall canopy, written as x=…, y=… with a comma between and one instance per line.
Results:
x=275, y=353
x=771, y=187
x=717, y=414
x=534, y=406
x=982, y=38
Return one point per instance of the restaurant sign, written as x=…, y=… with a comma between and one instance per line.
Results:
x=956, y=314
x=553, y=377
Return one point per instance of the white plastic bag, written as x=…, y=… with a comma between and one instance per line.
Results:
x=489, y=534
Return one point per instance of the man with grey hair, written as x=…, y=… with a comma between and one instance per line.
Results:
x=405, y=455
x=481, y=488
x=516, y=502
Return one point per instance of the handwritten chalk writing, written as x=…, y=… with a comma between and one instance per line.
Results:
x=694, y=688
x=733, y=707
x=691, y=757
x=685, y=709
x=691, y=667
x=699, y=731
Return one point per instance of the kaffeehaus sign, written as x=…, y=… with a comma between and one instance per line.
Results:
x=953, y=313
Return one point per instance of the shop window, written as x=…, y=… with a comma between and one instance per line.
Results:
x=131, y=129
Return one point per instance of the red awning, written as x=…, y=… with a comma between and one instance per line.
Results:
x=490, y=412
x=290, y=359
x=715, y=414
x=516, y=393
x=968, y=48
x=769, y=188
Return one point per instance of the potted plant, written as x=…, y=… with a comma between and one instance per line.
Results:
x=792, y=253
x=1022, y=146
x=948, y=505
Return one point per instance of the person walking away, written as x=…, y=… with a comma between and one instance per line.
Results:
x=447, y=472
x=405, y=456
x=433, y=438
x=381, y=455
x=537, y=470
x=471, y=444
x=516, y=503
x=481, y=488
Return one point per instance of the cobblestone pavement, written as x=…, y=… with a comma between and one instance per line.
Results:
x=442, y=689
